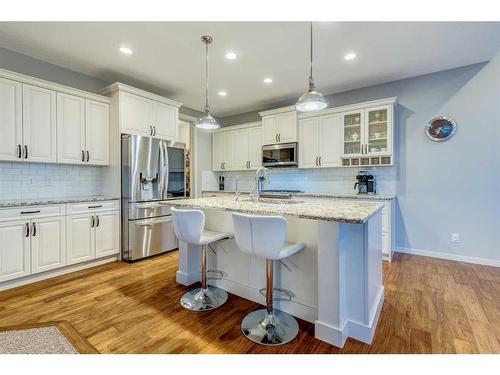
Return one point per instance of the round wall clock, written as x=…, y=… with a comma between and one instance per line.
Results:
x=440, y=128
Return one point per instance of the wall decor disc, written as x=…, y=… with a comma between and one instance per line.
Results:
x=440, y=128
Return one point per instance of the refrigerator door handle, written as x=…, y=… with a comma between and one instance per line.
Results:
x=163, y=169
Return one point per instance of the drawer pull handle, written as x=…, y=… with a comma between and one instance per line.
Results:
x=30, y=212
x=96, y=206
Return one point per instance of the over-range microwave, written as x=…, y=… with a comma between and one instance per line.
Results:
x=280, y=155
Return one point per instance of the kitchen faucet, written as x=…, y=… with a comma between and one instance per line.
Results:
x=260, y=175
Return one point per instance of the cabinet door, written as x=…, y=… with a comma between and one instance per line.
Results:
x=352, y=133
x=255, y=147
x=80, y=242
x=228, y=148
x=39, y=124
x=70, y=129
x=107, y=234
x=287, y=127
x=378, y=133
x=217, y=151
x=11, y=126
x=269, y=130
x=240, y=150
x=97, y=132
x=165, y=121
x=308, y=138
x=136, y=114
x=329, y=141
x=48, y=250
x=14, y=250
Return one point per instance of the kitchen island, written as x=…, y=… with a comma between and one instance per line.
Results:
x=336, y=282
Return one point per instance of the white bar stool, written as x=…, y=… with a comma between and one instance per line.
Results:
x=189, y=227
x=265, y=237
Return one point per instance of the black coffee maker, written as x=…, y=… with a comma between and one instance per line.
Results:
x=365, y=183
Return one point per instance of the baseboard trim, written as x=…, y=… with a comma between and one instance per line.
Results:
x=449, y=256
x=363, y=332
x=333, y=335
x=57, y=272
x=187, y=279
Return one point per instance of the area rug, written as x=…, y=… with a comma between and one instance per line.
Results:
x=43, y=338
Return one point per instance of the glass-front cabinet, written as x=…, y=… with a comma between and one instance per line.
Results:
x=367, y=136
x=352, y=133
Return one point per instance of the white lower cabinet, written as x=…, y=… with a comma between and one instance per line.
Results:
x=14, y=250
x=80, y=238
x=92, y=236
x=48, y=248
x=43, y=238
x=106, y=234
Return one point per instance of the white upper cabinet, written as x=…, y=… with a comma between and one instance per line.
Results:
x=319, y=140
x=329, y=141
x=237, y=150
x=144, y=113
x=82, y=130
x=97, y=132
x=279, y=126
x=11, y=127
x=136, y=114
x=255, y=147
x=165, y=121
x=39, y=124
x=71, y=129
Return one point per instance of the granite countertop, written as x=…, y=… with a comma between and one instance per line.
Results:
x=380, y=197
x=44, y=201
x=300, y=207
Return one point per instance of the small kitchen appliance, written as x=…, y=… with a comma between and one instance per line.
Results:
x=365, y=183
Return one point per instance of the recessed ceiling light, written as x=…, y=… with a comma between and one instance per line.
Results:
x=230, y=55
x=350, y=56
x=222, y=93
x=126, y=51
x=268, y=80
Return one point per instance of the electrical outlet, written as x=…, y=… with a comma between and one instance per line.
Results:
x=455, y=237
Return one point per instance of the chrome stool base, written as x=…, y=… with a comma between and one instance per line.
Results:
x=204, y=299
x=270, y=329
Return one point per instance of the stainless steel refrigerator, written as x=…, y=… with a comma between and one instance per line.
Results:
x=153, y=171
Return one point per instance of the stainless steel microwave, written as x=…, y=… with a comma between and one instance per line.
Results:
x=280, y=155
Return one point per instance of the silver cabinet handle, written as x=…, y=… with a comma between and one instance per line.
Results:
x=150, y=130
x=83, y=156
x=19, y=151
x=25, y=152
x=92, y=222
x=27, y=230
x=98, y=221
x=279, y=137
x=154, y=130
x=316, y=161
x=34, y=229
x=88, y=156
x=276, y=137
x=319, y=161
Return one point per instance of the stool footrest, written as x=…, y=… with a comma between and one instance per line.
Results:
x=283, y=294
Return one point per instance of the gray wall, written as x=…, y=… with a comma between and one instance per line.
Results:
x=23, y=64
x=445, y=187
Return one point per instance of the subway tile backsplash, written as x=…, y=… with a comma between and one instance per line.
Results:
x=39, y=180
x=327, y=180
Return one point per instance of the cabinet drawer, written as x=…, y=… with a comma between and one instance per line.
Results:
x=29, y=212
x=86, y=207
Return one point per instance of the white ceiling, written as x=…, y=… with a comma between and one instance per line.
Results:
x=169, y=56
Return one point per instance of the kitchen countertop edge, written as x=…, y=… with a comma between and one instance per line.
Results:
x=49, y=201
x=382, y=197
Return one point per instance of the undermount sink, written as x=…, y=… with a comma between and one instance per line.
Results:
x=274, y=201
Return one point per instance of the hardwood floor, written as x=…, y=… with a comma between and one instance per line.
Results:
x=431, y=306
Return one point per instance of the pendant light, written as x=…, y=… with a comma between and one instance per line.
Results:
x=207, y=122
x=311, y=100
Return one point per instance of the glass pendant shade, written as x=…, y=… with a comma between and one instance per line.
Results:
x=207, y=122
x=311, y=101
